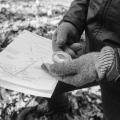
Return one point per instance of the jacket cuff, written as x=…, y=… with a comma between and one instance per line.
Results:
x=74, y=22
x=114, y=71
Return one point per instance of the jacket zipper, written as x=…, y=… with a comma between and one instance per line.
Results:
x=105, y=10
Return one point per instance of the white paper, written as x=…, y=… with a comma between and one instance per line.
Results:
x=20, y=65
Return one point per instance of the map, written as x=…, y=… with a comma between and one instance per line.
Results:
x=20, y=65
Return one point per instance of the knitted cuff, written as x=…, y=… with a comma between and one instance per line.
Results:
x=104, y=61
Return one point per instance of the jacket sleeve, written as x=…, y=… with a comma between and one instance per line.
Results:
x=77, y=14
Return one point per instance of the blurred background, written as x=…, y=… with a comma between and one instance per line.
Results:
x=42, y=18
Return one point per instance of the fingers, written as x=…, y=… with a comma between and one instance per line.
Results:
x=73, y=50
x=79, y=48
x=55, y=46
x=61, y=69
x=85, y=70
x=76, y=46
x=46, y=68
x=59, y=40
x=62, y=37
x=58, y=44
x=76, y=49
x=77, y=72
x=70, y=52
x=65, y=34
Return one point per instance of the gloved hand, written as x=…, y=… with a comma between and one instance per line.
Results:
x=85, y=69
x=67, y=38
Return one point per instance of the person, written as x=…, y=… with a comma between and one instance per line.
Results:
x=100, y=21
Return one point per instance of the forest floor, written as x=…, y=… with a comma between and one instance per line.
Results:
x=41, y=18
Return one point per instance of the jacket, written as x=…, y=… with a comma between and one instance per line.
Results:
x=101, y=21
x=99, y=18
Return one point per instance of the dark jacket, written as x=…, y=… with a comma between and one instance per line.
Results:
x=101, y=21
x=99, y=18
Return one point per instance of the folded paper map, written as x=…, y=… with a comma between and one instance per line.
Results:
x=20, y=65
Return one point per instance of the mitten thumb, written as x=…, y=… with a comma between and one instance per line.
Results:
x=61, y=69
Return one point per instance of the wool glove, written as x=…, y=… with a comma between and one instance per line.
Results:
x=67, y=38
x=85, y=69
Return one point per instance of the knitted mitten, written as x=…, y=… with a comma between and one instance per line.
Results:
x=85, y=69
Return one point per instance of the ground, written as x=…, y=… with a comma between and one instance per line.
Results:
x=40, y=17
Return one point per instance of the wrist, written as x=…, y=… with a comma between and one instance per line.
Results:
x=104, y=61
